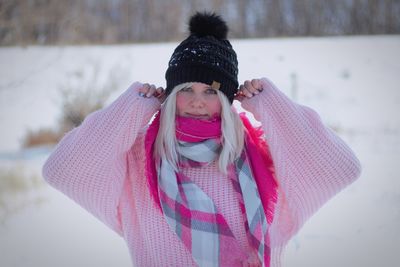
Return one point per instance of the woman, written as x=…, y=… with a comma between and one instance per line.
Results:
x=200, y=186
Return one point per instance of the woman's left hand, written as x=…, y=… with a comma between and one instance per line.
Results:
x=249, y=89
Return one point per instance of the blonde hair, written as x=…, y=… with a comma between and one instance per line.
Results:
x=232, y=132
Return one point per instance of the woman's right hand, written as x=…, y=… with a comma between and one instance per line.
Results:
x=249, y=89
x=150, y=90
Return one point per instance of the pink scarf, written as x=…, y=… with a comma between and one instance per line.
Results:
x=203, y=134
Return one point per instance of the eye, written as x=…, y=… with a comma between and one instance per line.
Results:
x=210, y=91
x=186, y=89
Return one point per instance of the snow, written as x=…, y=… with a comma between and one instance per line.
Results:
x=352, y=82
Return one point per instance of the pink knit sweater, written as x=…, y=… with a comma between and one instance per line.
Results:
x=101, y=166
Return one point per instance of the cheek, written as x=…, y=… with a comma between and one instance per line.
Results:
x=181, y=103
x=215, y=107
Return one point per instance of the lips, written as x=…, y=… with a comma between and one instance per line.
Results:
x=197, y=116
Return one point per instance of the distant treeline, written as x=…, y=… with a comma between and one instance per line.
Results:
x=125, y=21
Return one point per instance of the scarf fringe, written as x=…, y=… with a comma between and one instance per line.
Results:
x=150, y=170
x=266, y=182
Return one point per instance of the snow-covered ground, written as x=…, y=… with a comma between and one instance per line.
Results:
x=352, y=82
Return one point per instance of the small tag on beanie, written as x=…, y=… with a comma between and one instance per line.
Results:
x=215, y=85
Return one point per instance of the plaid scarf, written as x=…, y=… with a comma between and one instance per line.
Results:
x=192, y=214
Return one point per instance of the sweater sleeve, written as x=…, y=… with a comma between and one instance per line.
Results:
x=89, y=163
x=312, y=164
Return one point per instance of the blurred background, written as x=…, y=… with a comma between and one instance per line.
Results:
x=61, y=60
x=49, y=22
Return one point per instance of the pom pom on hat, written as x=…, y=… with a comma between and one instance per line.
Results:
x=208, y=24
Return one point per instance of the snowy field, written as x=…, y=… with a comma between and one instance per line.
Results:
x=352, y=82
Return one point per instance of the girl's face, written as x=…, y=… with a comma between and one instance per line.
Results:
x=199, y=101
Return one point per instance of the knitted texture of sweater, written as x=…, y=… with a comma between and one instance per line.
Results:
x=101, y=166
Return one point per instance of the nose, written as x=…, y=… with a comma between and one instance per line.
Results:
x=197, y=101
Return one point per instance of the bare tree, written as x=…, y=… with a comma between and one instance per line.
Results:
x=114, y=21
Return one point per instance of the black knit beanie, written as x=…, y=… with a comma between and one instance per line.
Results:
x=205, y=56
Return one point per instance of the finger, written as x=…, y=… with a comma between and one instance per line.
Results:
x=240, y=92
x=159, y=92
x=144, y=89
x=245, y=91
x=151, y=91
x=249, y=86
x=256, y=83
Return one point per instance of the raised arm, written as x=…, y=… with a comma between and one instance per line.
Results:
x=89, y=164
x=312, y=163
